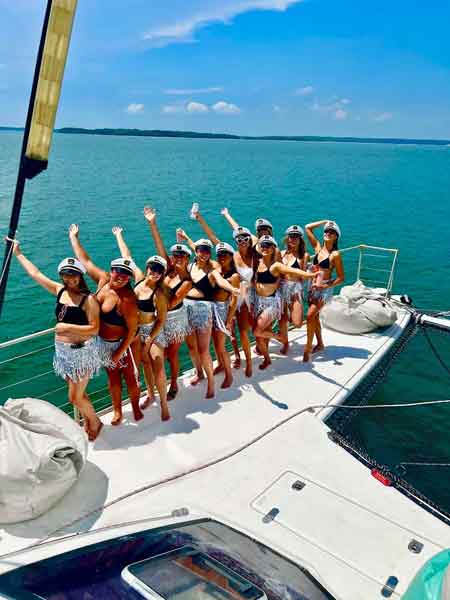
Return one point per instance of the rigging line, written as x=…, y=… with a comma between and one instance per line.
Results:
x=27, y=354
x=216, y=461
x=8, y=258
x=25, y=380
x=435, y=352
x=423, y=464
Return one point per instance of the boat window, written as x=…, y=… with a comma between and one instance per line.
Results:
x=220, y=561
x=188, y=574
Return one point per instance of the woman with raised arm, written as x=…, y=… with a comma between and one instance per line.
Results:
x=267, y=307
x=118, y=325
x=178, y=281
x=327, y=258
x=291, y=289
x=76, y=356
x=262, y=226
x=205, y=278
x=152, y=302
x=225, y=304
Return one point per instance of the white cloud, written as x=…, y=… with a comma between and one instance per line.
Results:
x=171, y=109
x=183, y=30
x=340, y=114
x=134, y=108
x=382, y=117
x=196, y=107
x=226, y=108
x=191, y=91
x=307, y=90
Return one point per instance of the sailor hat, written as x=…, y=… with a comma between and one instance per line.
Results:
x=241, y=231
x=126, y=265
x=203, y=242
x=159, y=260
x=295, y=229
x=224, y=247
x=332, y=225
x=262, y=223
x=180, y=248
x=268, y=239
x=71, y=266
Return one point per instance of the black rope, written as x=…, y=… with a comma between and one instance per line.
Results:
x=434, y=349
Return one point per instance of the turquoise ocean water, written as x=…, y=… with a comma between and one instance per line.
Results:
x=386, y=195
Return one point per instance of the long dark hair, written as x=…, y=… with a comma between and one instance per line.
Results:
x=301, y=246
x=82, y=286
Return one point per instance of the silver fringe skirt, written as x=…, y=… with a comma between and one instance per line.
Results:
x=176, y=327
x=290, y=291
x=220, y=315
x=199, y=314
x=271, y=305
x=77, y=361
x=146, y=330
x=106, y=349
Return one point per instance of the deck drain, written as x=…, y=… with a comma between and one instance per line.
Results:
x=415, y=547
x=298, y=485
x=271, y=515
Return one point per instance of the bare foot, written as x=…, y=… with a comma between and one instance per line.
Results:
x=265, y=363
x=196, y=379
x=306, y=356
x=227, y=382
x=237, y=362
x=146, y=402
x=318, y=348
x=218, y=369
x=173, y=391
x=117, y=418
x=209, y=393
x=137, y=413
x=94, y=433
x=165, y=414
x=248, y=369
x=258, y=351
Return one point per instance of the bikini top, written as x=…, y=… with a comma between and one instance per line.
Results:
x=204, y=286
x=112, y=317
x=323, y=264
x=146, y=305
x=75, y=315
x=245, y=273
x=266, y=277
x=173, y=292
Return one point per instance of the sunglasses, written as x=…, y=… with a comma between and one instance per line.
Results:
x=204, y=249
x=264, y=228
x=294, y=235
x=156, y=268
x=330, y=231
x=266, y=245
x=241, y=239
x=121, y=271
x=223, y=253
x=69, y=272
x=179, y=254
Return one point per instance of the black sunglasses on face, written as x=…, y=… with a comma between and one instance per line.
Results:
x=294, y=235
x=120, y=271
x=204, y=249
x=330, y=231
x=267, y=245
x=156, y=268
x=223, y=253
x=179, y=254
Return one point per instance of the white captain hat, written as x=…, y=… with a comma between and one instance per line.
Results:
x=241, y=231
x=123, y=265
x=178, y=248
x=262, y=223
x=71, y=266
x=267, y=239
x=203, y=242
x=295, y=230
x=332, y=225
x=224, y=247
x=156, y=259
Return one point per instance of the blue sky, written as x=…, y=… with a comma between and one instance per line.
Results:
x=312, y=67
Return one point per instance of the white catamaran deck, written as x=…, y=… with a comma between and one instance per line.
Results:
x=259, y=445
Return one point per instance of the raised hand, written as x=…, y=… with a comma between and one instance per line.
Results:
x=15, y=245
x=150, y=214
x=117, y=230
x=181, y=235
x=224, y=211
x=74, y=230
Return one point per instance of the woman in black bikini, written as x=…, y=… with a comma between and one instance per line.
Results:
x=326, y=259
x=267, y=307
x=152, y=302
x=291, y=289
x=76, y=356
x=118, y=326
x=179, y=284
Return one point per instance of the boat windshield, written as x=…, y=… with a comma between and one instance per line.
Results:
x=198, y=560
